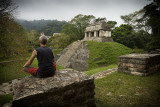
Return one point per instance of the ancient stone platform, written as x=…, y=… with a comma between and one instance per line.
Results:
x=139, y=64
x=67, y=88
x=74, y=56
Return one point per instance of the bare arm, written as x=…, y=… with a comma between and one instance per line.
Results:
x=29, y=62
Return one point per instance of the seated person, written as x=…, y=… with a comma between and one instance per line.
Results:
x=46, y=65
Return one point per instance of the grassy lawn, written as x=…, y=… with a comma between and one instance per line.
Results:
x=104, y=54
x=14, y=70
x=119, y=89
x=100, y=69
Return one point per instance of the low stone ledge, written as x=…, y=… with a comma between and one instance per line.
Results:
x=103, y=73
x=139, y=64
x=66, y=88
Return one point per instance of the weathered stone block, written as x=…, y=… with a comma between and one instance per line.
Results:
x=74, y=56
x=66, y=88
x=139, y=64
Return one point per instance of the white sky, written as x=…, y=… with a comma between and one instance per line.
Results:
x=67, y=9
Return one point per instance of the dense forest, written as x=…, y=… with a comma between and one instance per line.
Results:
x=47, y=26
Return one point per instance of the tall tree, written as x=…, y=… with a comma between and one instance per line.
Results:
x=126, y=35
x=59, y=41
x=137, y=21
x=11, y=33
x=153, y=12
x=122, y=34
x=112, y=24
x=100, y=19
x=147, y=19
x=6, y=8
x=77, y=25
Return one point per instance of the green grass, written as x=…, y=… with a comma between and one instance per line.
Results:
x=14, y=70
x=100, y=69
x=58, y=67
x=142, y=51
x=119, y=89
x=104, y=54
x=5, y=99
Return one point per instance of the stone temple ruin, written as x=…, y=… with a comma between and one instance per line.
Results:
x=76, y=55
x=99, y=32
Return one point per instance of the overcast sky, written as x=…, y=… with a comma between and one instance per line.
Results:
x=67, y=9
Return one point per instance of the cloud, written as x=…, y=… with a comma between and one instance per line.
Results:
x=67, y=9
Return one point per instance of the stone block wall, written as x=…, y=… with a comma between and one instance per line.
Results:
x=99, y=39
x=139, y=64
x=67, y=88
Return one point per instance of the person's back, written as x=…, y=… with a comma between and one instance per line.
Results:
x=45, y=59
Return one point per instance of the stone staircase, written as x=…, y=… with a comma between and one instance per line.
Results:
x=63, y=60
